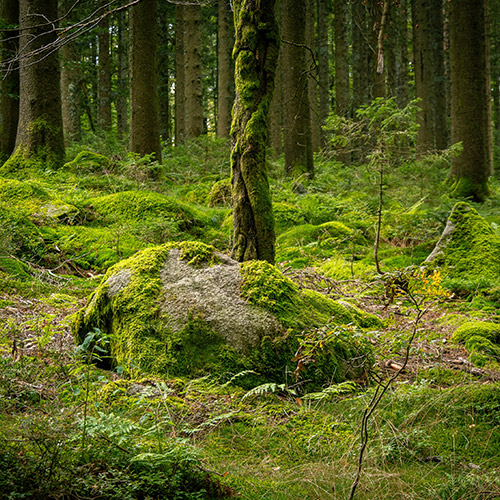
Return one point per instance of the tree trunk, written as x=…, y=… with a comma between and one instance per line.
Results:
x=104, y=72
x=312, y=75
x=470, y=97
x=70, y=93
x=342, y=93
x=256, y=56
x=377, y=19
x=39, y=141
x=323, y=66
x=193, y=98
x=180, y=77
x=225, y=72
x=429, y=74
x=144, y=109
x=122, y=83
x=164, y=73
x=297, y=133
x=9, y=104
x=361, y=74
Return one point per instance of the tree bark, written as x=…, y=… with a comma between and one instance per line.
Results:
x=180, y=77
x=323, y=66
x=297, y=133
x=9, y=104
x=225, y=72
x=256, y=55
x=39, y=134
x=122, y=83
x=312, y=75
x=144, y=109
x=470, y=104
x=104, y=72
x=193, y=97
x=361, y=74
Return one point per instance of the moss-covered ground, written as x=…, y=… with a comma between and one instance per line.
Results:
x=69, y=429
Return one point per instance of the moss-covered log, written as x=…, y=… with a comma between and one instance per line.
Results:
x=256, y=55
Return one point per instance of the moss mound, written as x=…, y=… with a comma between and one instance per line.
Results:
x=220, y=194
x=485, y=329
x=88, y=162
x=468, y=247
x=183, y=309
x=37, y=202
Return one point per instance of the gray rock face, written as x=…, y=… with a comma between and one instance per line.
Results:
x=212, y=293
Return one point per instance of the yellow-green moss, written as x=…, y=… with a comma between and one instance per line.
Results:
x=485, y=329
x=220, y=194
x=88, y=162
x=131, y=314
x=473, y=249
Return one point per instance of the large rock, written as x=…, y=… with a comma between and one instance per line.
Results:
x=468, y=249
x=184, y=308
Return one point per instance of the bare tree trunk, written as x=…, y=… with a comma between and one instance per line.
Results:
x=9, y=104
x=323, y=65
x=122, y=84
x=470, y=97
x=144, y=109
x=193, y=98
x=276, y=107
x=225, y=71
x=312, y=75
x=180, y=77
x=104, y=72
x=361, y=74
x=297, y=133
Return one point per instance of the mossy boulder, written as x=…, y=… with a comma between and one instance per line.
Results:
x=184, y=309
x=220, y=194
x=88, y=162
x=468, y=248
x=481, y=340
x=36, y=201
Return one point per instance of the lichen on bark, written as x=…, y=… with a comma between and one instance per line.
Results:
x=256, y=55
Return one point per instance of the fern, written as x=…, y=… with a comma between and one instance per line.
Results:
x=332, y=391
x=270, y=387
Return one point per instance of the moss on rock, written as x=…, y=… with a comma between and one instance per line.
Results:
x=468, y=247
x=183, y=308
x=485, y=329
x=220, y=194
x=88, y=162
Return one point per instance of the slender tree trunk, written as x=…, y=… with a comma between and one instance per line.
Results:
x=276, y=107
x=342, y=92
x=144, y=108
x=378, y=17
x=193, y=98
x=180, y=77
x=312, y=75
x=298, y=147
x=122, y=83
x=470, y=97
x=256, y=55
x=361, y=74
x=39, y=139
x=225, y=71
x=104, y=72
x=402, y=76
x=323, y=65
x=164, y=74
x=9, y=104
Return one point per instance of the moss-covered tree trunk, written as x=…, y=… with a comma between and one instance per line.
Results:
x=470, y=102
x=256, y=56
x=39, y=141
x=144, y=107
x=225, y=73
x=9, y=103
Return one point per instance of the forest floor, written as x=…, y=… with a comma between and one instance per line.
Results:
x=69, y=430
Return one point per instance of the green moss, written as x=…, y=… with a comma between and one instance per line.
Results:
x=139, y=340
x=484, y=347
x=468, y=189
x=220, y=194
x=473, y=249
x=287, y=215
x=264, y=285
x=490, y=331
x=88, y=162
